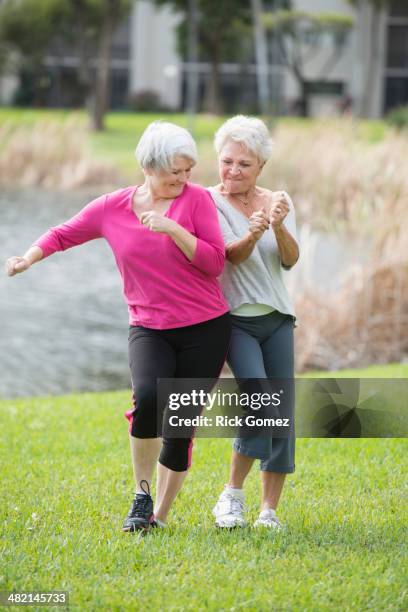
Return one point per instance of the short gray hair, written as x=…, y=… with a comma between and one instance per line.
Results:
x=161, y=142
x=248, y=131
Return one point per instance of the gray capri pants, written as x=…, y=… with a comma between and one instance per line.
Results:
x=262, y=347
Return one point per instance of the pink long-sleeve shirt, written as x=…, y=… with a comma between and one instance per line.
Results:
x=162, y=288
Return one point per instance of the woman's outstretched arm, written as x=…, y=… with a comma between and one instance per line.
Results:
x=84, y=226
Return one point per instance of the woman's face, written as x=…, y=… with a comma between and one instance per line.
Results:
x=239, y=168
x=170, y=183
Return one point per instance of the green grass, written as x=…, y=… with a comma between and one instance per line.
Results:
x=117, y=143
x=123, y=129
x=67, y=484
x=392, y=370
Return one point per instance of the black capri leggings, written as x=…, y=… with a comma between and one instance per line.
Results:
x=196, y=351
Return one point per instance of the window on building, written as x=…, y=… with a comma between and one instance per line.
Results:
x=326, y=88
x=396, y=92
x=397, y=46
x=398, y=8
x=119, y=89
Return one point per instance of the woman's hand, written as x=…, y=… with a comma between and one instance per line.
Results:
x=279, y=209
x=16, y=265
x=186, y=242
x=258, y=223
x=157, y=223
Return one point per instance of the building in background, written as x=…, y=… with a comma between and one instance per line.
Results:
x=395, y=68
x=370, y=76
x=61, y=65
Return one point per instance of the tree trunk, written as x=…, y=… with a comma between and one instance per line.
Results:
x=103, y=69
x=304, y=101
x=261, y=53
x=39, y=76
x=368, y=93
x=192, y=74
x=212, y=98
x=84, y=68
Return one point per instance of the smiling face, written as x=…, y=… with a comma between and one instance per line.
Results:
x=239, y=168
x=168, y=184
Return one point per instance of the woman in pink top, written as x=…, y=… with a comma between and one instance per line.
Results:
x=169, y=251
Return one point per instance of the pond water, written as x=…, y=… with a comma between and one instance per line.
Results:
x=64, y=323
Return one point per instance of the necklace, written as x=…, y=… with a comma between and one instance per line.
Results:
x=244, y=205
x=243, y=201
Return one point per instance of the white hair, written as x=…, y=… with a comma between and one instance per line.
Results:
x=248, y=131
x=161, y=142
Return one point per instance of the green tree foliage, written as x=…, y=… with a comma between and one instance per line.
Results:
x=90, y=30
x=377, y=4
x=223, y=35
x=300, y=36
x=398, y=118
x=29, y=27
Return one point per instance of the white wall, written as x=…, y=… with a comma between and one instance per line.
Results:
x=362, y=56
x=154, y=59
x=8, y=86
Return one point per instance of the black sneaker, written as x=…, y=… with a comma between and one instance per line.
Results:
x=141, y=513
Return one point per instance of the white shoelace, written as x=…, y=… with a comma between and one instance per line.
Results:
x=236, y=505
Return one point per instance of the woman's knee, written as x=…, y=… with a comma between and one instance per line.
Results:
x=282, y=457
x=145, y=395
x=176, y=454
x=145, y=410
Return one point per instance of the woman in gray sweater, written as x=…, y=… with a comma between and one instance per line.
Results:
x=259, y=230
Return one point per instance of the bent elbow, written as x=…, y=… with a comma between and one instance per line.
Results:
x=289, y=266
x=234, y=258
x=218, y=266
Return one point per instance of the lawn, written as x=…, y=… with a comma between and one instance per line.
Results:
x=394, y=370
x=123, y=129
x=67, y=484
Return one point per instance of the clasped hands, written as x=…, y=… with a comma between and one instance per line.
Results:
x=157, y=222
x=260, y=220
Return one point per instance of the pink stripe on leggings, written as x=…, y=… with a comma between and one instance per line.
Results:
x=129, y=417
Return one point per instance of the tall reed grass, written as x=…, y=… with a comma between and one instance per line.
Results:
x=51, y=155
x=341, y=184
x=337, y=179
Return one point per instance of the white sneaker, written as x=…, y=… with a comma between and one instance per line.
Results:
x=229, y=510
x=268, y=518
